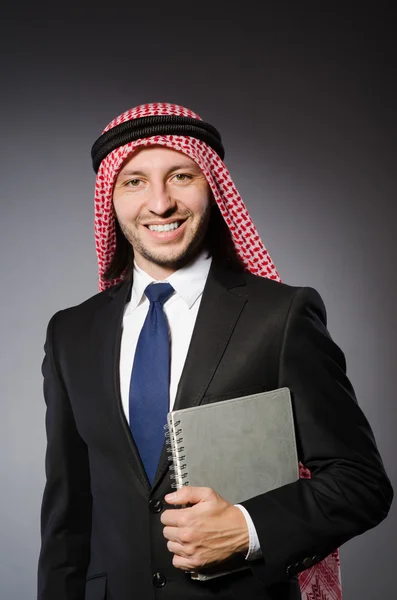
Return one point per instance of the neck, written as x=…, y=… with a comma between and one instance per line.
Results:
x=158, y=272
x=161, y=272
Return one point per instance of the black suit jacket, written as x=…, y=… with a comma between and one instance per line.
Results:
x=101, y=531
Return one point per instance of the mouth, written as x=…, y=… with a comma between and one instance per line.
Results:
x=165, y=227
x=166, y=232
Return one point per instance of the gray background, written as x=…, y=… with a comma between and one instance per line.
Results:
x=304, y=98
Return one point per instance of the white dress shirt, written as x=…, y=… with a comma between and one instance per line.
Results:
x=181, y=311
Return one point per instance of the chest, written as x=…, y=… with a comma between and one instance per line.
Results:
x=230, y=351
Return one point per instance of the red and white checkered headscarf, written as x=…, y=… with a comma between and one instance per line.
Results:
x=246, y=239
x=322, y=581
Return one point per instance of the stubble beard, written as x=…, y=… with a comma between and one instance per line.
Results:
x=180, y=258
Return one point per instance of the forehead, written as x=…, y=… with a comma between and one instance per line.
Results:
x=157, y=158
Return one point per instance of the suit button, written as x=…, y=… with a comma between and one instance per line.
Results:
x=307, y=562
x=159, y=580
x=155, y=506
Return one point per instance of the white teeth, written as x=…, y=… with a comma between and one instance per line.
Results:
x=167, y=227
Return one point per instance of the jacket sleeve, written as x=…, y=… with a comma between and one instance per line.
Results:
x=301, y=523
x=66, y=506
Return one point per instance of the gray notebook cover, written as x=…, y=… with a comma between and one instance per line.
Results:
x=241, y=447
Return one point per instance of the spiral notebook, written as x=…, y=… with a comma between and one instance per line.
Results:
x=241, y=448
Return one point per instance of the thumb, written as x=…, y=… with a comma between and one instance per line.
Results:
x=189, y=495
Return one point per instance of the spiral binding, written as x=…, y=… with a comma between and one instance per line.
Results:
x=176, y=456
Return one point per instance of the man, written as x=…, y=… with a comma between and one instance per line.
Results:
x=191, y=311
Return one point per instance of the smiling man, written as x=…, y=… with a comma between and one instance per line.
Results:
x=162, y=201
x=191, y=310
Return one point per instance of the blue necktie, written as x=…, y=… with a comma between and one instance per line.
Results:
x=150, y=380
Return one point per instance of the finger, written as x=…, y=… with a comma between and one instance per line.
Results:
x=178, y=549
x=173, y=518
x=190, y=495
x=172, y=533
x=185, y=563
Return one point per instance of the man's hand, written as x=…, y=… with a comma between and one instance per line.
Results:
x=206, y=533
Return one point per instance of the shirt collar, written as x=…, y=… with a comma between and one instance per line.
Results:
x=188, y=282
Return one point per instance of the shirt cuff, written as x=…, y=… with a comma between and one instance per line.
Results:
x=254, y=549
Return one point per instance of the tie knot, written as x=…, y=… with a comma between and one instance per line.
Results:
x=159, y=292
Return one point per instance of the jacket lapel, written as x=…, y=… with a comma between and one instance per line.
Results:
x=219, y=311
x=105, y=348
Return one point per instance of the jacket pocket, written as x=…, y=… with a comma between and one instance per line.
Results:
x=95, y=587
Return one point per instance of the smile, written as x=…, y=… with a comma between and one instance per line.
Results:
x=167, y=227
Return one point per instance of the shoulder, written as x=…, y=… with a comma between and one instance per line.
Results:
x=288, y=298
x=257, y=285
x=81, y=314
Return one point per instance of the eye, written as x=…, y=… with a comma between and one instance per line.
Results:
x=133, y=182
x=182, y=176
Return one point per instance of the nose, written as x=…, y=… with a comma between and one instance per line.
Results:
x=160, y=200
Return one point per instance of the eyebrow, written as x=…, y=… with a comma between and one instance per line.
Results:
x=133, y=172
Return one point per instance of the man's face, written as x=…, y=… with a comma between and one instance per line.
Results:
x=162, y=202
